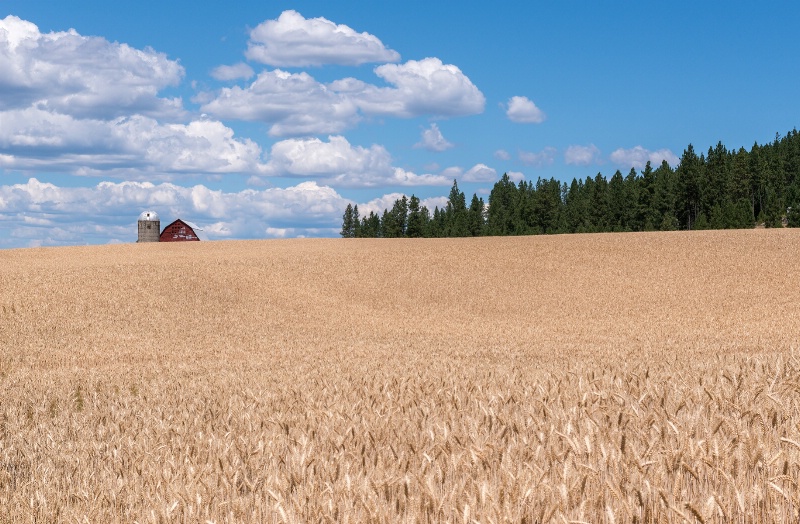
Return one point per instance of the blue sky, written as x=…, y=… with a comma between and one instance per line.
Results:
x=265, y=119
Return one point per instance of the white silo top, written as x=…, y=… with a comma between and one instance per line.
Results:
x=148, y=216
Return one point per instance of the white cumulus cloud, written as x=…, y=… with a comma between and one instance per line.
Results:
x=297, y=104
x=423, y=87
x=379, y=204
x=480, y=173
x=401, y=177
x=524, y=111
x=516, y=176
x=477, y=173
x=582, y=155
x=312, y=157
x=638, y=157
x=294, y=41
x=294, y=103
x=433, y=202
x=338, y=163
x=433, y=140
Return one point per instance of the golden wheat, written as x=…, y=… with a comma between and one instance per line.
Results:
x=585, y=378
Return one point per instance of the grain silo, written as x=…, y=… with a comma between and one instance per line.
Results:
x=149, y=227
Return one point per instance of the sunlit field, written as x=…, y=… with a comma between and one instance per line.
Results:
x=649, y=377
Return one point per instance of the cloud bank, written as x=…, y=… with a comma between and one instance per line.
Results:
x=135, y=147
x=39, y=213
x=84, y=77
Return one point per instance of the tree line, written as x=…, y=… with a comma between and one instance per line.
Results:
x=722, y=189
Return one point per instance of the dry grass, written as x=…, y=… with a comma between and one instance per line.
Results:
x=587, y=378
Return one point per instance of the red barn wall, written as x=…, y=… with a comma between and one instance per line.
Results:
x=178, y=231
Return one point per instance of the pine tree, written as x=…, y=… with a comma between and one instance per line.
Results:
x=689, y=180
x=388, y=227
x=348, y=228
x=416, y=221
x=436, y=228
x=546, y=207
x=456, y=213
x=646, y=214
x=616, y=202
x=370, y=226
x=400, y=216
x=664, y=198
x=356, y=222
x=630, y=221
x=574, y=208
x=600, y=215
x=476, y=218
x=501, y=207
x=715, y=191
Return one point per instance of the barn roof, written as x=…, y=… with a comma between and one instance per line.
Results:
x=201, y=234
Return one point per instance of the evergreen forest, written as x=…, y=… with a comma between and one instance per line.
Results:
x=721, y=189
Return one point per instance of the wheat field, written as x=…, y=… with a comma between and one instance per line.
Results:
x=649, y=377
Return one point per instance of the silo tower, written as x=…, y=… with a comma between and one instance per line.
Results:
x=149, y=227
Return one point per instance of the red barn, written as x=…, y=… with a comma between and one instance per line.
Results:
x=180, y=231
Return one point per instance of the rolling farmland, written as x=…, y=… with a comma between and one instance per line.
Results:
x=647, y=377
